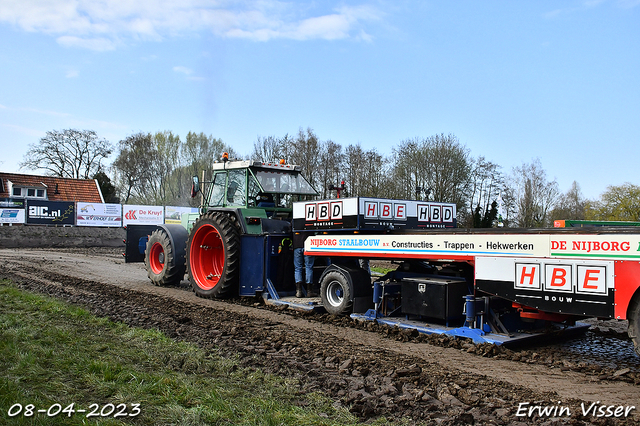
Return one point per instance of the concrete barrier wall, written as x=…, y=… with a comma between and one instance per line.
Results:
x=54, y=236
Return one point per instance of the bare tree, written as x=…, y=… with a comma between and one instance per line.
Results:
x=486, y=185
x=509, y=205
x=157, y=169
x=330, y=168
x=374, y=172
x=570, y=205
x=353, y=169
x=439, y=163
x=408, y=168
x=535, y=195
x=199, y=152
x=305, y=152
x=448, y=168
x=270, y=148
x=134, y=167
x=68, y=153
x=170, y=182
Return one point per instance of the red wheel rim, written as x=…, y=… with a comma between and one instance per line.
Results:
x=156, y=258
x=206, y=257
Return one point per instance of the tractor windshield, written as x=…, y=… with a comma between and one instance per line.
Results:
x=284, y=182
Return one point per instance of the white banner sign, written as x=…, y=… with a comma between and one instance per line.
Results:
x=93, y=214
x=12, y=216
x=625, y=246
x=142, y=215
x=174, y=214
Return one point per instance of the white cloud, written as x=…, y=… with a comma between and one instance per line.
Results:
x=590, y=4
x=345, y=23
x=104, y=24
x=628, y=4
x=329, y=27
x=72, y=74
x=98, y=44
x=45, y=112
x=188, y=72
x=37, y=111
x=183, y=70
x=23, y=130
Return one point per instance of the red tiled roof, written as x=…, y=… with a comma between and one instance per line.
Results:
x=58, y=189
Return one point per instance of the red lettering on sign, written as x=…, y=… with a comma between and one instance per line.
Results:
x=588, y=276
x=531, y=275
x=558, y=277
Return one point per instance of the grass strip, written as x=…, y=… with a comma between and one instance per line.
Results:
x=59, y=358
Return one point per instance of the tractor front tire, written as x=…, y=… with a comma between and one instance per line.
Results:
x=160, y=260
x=336, y=293
x=213, y=256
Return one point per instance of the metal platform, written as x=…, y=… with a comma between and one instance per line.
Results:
x=298, y=303
x=478, y=336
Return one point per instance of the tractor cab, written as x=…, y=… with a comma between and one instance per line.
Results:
x=256, y=191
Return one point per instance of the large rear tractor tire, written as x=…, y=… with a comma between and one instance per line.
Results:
x=634, y=323
x=336, y=293
x=213, y=256
x=163, y=268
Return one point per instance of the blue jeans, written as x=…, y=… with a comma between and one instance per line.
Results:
x=300, y=261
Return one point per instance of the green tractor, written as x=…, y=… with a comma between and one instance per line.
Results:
x=246, y=215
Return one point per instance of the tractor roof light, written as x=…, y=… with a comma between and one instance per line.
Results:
x=225, y=156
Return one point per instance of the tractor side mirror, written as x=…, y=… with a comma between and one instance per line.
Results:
x=195, y=186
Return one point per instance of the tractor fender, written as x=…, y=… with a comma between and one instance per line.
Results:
x=178, y=236
x=235, y=214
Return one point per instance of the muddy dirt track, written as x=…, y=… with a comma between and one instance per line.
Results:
x=373, y=370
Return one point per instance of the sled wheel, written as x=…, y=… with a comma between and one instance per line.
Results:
x=336, y=294
x=162, y=266
x=213, y=256
x=634, y=322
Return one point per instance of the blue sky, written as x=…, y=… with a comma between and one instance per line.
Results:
x=513, y=80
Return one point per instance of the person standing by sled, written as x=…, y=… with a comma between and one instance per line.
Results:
x=303, y=266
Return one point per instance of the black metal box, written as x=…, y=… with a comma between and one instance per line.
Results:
x=438, y=297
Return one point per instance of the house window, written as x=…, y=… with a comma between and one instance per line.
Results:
x=30, y=192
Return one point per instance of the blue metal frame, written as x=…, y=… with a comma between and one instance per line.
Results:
x=252, y=259
x=475, y=334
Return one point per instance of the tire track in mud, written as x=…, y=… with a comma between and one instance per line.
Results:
x=383, y=373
